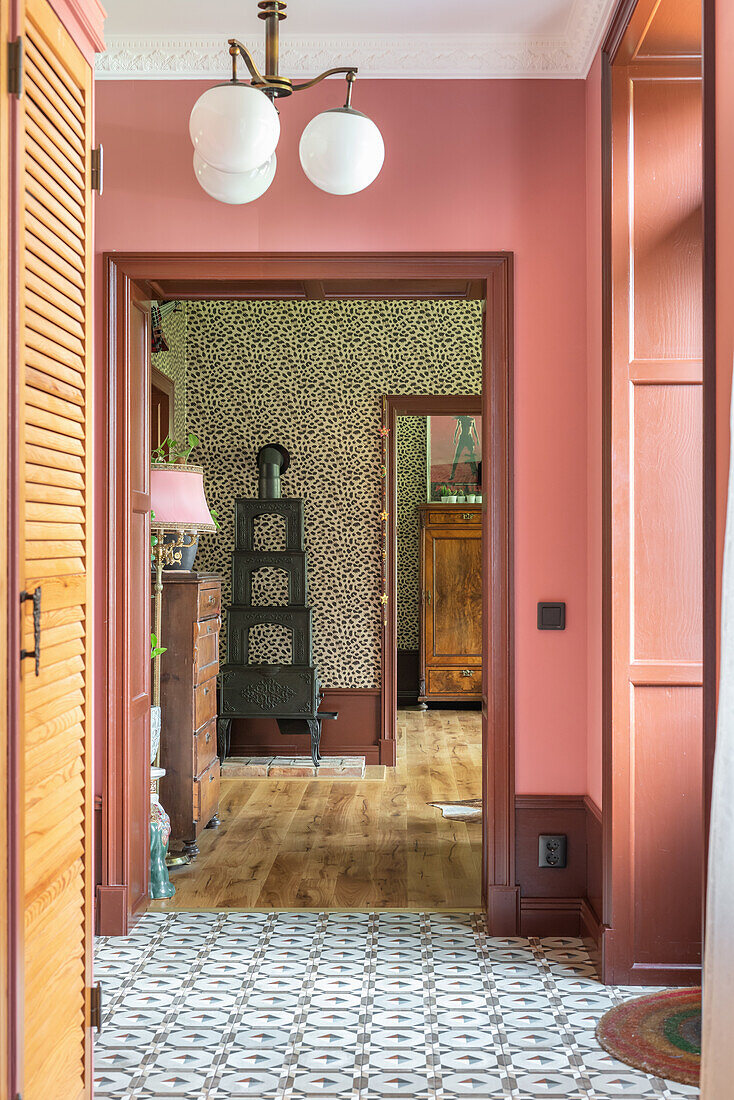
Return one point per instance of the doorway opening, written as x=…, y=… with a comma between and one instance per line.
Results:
x=433, y=612
x=237, y=279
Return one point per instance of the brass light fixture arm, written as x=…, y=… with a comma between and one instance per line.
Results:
x=350, y=72
x=239, y=49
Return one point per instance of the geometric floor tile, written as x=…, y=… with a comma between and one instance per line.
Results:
x=353, y=1006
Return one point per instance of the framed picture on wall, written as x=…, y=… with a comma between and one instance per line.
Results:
x=453, y=455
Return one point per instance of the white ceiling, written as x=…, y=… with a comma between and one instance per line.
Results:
x=408, y=38
x=135, y=17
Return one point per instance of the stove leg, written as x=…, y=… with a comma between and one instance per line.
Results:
x=314, y=726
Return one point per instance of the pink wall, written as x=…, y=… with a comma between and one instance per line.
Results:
x=480, y=165
x=593, y=429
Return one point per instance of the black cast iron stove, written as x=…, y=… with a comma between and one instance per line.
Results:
x=289, y=693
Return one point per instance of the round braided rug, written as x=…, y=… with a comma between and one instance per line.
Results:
x=659, y=1034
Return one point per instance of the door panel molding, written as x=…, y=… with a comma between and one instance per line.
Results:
x=653, y=440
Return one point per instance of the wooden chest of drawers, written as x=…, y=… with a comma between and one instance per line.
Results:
x=189, y=791
x=451, y=604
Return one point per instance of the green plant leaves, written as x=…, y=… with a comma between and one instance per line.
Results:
x=172, y=450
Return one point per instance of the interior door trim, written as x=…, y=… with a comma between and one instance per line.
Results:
x=487, y=275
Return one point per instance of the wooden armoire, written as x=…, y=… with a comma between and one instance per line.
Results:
x=451, y=603
x=49, y=168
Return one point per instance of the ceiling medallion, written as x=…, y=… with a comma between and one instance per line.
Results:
x=235, y=128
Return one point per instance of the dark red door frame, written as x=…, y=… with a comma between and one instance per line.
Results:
x=156, y=275
x=395, y=405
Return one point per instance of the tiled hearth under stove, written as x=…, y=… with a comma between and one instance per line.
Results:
x=293, y=767
x=351, y=1005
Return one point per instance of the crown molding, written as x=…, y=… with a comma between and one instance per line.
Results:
x=414, y=56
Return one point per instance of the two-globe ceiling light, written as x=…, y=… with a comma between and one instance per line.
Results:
x=235, y=129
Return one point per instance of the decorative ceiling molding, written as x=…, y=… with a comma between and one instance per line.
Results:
x=414, y=56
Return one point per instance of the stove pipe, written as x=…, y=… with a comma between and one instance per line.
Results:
x=272, y=461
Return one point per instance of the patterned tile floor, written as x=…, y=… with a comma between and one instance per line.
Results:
x=359, y=1006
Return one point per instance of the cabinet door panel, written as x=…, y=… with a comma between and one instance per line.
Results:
x=454, y=588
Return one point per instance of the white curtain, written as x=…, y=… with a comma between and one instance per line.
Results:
x=717, y=1068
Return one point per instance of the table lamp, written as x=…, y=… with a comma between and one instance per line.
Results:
x=178, y=506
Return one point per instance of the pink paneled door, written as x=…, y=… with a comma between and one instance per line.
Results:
x=655, y=845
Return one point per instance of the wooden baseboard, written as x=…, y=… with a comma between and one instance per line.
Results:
x=388, y=752
x=540, y=916
x=593, y=927
x=550, y=916
x=592, y=932
x=356, y=732
x=503, y=910
x=112, y=911
x=615, y=971
x=664, y=975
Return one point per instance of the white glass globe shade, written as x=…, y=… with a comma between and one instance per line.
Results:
x=234, y=127
x=342, y=151
x=234, y=187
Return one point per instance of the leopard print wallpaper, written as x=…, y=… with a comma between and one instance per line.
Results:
x=311, y=375
x=172, y=363
x=411, y=490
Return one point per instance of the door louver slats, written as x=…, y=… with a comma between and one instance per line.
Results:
x=56, y=341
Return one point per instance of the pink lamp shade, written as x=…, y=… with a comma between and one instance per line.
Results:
x=177, y=498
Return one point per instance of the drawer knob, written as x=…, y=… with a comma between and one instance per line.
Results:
x=466, y=515
x=467, y=672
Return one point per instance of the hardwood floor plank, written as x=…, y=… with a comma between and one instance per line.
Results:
x=370, y=843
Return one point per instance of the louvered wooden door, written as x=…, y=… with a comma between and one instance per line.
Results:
x=55, y=531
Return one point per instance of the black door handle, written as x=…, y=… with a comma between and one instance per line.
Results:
x=36, y=651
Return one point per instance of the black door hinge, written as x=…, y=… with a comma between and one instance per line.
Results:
x=15, y=67
x=97, y=169
x=95, y=1006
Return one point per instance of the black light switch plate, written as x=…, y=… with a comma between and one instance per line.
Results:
x=551, y=616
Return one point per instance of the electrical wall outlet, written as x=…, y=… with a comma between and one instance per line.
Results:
x=552, y=851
